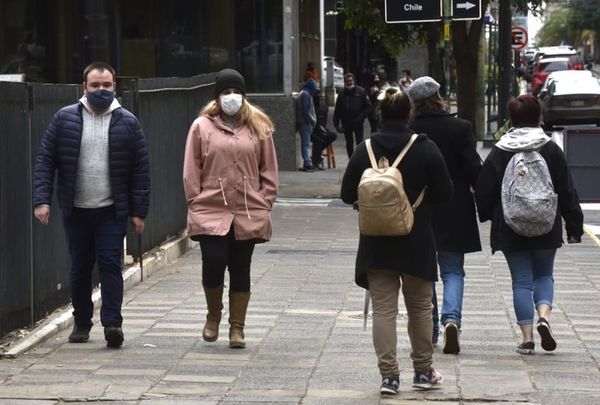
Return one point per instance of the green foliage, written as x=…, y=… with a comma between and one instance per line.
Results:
x=570, y=22
x=584, y=14
x=557, y=29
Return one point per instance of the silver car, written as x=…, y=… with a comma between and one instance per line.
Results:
x=570, y=97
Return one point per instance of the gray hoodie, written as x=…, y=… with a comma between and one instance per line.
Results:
x=92, y=186
x=523, y=139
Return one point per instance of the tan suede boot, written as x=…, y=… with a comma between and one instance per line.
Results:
x=238, y=304
x=214, y=303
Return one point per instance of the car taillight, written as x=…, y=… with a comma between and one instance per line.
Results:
x=578, y=66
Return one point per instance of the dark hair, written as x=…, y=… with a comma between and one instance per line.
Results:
x=347, y=75
x=524, y=111
x=395, y=106
x=101, y=66
x=430, y=105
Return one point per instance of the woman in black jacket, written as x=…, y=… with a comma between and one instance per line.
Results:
x=454, y=222
x=530, y=259
x=385, y=263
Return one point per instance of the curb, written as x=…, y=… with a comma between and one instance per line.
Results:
x=591, y=234
x=154, y=261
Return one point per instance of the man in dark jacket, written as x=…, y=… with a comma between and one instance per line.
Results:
x=100, y=154
x=351, y=108
x=454, y=222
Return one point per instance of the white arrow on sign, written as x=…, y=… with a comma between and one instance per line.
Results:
x=467, y=6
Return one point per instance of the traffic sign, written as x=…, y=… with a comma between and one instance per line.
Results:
x=466, y=10
x=415, y=11
x=519, y=37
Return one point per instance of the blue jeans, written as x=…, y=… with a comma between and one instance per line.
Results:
x=305, y=133
x=452, y=273
x=532, y=281
x=96, y=236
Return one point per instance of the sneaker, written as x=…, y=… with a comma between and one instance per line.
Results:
x=426, y=380
x=548, y=342
x=451, y=334
x=307, y=169
x=526, y=348
x=80, y=334
x=389, y=385
x=114, y=336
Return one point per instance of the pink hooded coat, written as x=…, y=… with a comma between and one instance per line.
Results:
x=229, y=177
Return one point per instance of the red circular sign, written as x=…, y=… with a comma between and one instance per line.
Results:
x=519, y=37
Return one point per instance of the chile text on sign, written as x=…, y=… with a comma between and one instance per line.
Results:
x=415, y=11
x=519, y=37
x=466, y=10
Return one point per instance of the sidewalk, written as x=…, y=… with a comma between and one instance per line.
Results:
x=305, y=342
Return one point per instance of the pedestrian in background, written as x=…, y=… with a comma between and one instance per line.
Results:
x=351, y=108
x=99, y=152
x=406, y=80
x=321, y=137
x=384, y=264
x=530, y=259
x=230, y=182
x=454, y=222
x=306, y=119
x=374, y=92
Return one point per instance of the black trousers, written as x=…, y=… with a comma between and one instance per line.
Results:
x=220, y=252
x=355, y=132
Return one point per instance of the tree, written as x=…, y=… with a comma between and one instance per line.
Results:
x=368, y=15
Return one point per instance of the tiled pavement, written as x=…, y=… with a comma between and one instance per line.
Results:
x=305, y=341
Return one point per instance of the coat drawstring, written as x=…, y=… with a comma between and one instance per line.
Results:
x=222, y=190
x=245, y=198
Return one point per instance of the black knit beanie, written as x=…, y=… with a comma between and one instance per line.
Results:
x=229, y=78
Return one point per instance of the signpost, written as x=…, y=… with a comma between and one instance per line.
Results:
x=519, y=37
x=415, y=11
x=466, y=10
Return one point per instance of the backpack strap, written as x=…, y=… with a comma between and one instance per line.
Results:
x=374, y=164
x=412, y=140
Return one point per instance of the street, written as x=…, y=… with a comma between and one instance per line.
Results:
x=305, y=338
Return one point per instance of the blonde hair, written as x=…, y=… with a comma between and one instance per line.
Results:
x=260, y=124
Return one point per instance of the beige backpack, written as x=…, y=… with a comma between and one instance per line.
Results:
x=383, y=207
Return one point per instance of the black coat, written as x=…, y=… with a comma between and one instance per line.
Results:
x=455, y=222
x=351, y=107
x=422, y=166
x=489, y=204
x=128, y=162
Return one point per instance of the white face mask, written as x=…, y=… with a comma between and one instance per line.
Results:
x=231, y=103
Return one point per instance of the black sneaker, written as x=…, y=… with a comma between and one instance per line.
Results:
x=426, y=380
x=526, y=348
x=548, y=342
x=114, y=336
x=80, y=334
x=451, y=341
x=389, y=385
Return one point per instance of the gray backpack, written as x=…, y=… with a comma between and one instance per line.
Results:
x=529, y=202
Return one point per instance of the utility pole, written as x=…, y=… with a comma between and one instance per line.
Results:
x=505, y=56
x=447, y=14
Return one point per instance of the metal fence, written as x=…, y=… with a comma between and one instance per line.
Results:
x=34, y=262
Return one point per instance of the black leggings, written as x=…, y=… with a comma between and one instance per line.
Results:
x=219, y=252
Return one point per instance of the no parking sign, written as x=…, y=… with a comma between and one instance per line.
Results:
x=519, y=37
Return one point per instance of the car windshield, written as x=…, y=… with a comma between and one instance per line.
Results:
x=553, y=66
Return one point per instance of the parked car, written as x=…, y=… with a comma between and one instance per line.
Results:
x=565, y=75
x=562, y=51
x=544, y=67
x=571, y=98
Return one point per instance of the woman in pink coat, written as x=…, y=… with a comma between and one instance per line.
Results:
x=230, y=181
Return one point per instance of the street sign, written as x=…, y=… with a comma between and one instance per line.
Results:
x=415, y=11
x=466, y=10
x=519, y=37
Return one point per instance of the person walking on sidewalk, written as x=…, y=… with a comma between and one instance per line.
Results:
x=530, y=259
x=351, y=108
x=455, y=222
x=230, y=181
x=99, y=151
x=306, y=119
x=384, y=264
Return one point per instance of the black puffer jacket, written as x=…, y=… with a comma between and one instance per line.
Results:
x=59, y=151
x=422, y=166
x=351, y=107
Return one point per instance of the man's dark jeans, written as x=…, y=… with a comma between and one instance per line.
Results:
x=95, y=235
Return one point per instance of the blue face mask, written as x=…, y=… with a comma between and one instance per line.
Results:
x=101, y=99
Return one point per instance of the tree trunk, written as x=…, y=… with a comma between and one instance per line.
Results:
x=435, y=65
x=465, y=43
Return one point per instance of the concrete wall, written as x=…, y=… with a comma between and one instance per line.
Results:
x=413, y=59
x=281, y=109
